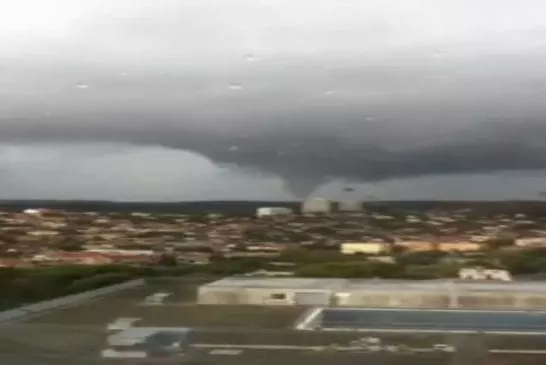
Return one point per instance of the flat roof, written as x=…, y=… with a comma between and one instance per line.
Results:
x=277, y=283
x=434, y=320
x=377, y=284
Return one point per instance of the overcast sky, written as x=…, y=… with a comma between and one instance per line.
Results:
x=263, y=99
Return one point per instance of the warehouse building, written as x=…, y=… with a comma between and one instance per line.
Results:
x=317, y=206
x=350, y=206
x=374, y=293
x=268, y=291
x=273, y=211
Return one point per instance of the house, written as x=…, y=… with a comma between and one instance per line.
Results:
x=416, y=245
x=43, y=233
x=8, y=262
x=459, y=246
x=368, y=248
x=445, y=246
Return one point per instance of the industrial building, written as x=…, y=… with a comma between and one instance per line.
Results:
x=374, y=293
x=317, y=206
x=350, y=206
x=273, y=211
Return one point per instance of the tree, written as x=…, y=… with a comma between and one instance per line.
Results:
x=256, y=235
x=420, y=258
x=524, y=262
x=9, y=238
x=216, y=256
x=198, y=218
x=167, y=259
x=69, y=246
x=97, y=281
x=420, y=272
x=322, y=230
x=304, y=255
x=349, y=270
x=295, y=254
x=398, y=250
x=499, y=242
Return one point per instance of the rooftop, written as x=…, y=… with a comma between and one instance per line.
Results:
x=80, y=332
x=377, y=284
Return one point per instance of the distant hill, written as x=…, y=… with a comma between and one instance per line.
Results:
x=532, y=208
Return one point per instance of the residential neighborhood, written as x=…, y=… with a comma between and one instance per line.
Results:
x=45, y=237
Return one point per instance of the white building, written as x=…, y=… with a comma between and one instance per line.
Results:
x=350, y=206
x=273, y=211
x=484, y=274
x=374, y=293
x=532, y=241
x=122, y=252
x=316, y=205
x=368, y=248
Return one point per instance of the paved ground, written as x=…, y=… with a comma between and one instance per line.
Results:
x=295, y=358
x=248, y=359
x=516, y=360
x=289, y=358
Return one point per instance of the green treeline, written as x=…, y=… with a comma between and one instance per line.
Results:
x=23, y=286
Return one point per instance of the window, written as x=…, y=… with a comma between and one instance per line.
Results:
x=278, y=296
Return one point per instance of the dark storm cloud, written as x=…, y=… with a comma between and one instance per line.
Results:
x=305, y=157
x=310, y=92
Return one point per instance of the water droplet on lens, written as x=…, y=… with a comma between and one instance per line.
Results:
x=235, y=87
x=250, y=58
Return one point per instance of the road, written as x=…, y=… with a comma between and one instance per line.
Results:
x=239, y=355
x=340, y=349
